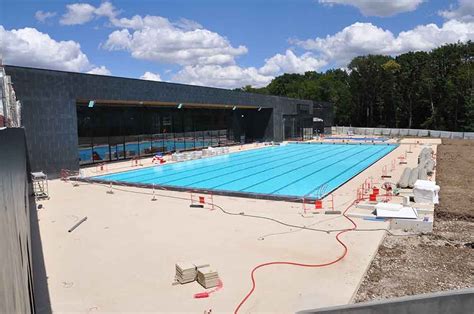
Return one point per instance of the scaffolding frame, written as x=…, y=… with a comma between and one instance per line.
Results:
x=40, y=185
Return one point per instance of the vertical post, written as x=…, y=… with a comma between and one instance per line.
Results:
x=110, y=191
x=212, y=201
x=154, y=197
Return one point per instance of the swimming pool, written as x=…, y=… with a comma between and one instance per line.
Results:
x=274, y=172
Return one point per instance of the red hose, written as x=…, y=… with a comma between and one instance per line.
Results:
x=300, y=264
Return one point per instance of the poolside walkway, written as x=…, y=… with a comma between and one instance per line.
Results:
x=123, y=257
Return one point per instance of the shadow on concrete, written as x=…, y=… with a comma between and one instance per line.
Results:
x=40, y=282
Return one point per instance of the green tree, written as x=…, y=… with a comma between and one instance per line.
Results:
x=415, y=89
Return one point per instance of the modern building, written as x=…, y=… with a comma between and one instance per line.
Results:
x=75, y=118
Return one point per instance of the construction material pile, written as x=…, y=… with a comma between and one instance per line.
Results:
x=214, y=151
x=185, y=272
x=425, y=168
x=208, y=277
x=188, y=272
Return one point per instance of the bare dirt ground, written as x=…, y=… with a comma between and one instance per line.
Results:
x=443, y=260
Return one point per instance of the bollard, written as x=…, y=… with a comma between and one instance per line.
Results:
x=154, y=197
x=110, y=191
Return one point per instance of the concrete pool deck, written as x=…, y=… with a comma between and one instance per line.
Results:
x=122, y=259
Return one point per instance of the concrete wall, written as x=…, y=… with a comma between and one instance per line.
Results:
x=402, y=132
x=452, y=302
x=15, y=264
x=49, y=107
x=23, y=283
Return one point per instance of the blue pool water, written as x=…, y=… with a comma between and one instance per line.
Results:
x=293, y=170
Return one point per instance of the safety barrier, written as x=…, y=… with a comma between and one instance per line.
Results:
x=364, y=188
x=136, y=161
x=102, y=167
x=403, y=158
x=202, y=200
x=370, y=190
x=402, y=132
x=65, y=174
x=385, y=174
x=319, y=204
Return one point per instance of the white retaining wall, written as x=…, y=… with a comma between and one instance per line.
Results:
x=402, y=132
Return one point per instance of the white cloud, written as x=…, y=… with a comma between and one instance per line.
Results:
x=77, y=13
x=41, y=16
x=290, y=63
x=378, y=7
x=106, y=9
x=150, y=76
x=208, y=58
x=102, y=70
x=29, y=47
x=221, y=76
x=155, y=38
x=232, y=76
x=366, y=38
x=81, y=13
x=187, y=24
x=463, y=12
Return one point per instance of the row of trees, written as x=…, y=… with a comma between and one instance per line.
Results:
x=430, y=90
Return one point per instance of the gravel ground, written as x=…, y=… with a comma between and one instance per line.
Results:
x=442, y=260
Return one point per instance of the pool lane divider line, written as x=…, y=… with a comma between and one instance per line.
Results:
x=260, y=164
x=243, y=155
x=303, y=158
x=321, y=169
x=187, y=167
x=347, y=169
x=359, y=172
x=257, y=162
x=286, y=172
x=225, y=165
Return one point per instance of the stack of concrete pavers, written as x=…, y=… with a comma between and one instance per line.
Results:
x=187, y=272
x=207, y=277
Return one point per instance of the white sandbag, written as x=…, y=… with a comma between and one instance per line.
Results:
x=403, y=182
x=426, y=192
x=422, y=174
x=429, y=166
x=413, y=177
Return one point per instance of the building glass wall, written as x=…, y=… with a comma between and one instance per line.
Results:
x=108, y=133
x=297, y=127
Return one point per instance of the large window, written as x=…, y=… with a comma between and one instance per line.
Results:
x=297, y=127
x=109, y=133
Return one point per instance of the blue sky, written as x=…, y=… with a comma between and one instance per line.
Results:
x=222, y=43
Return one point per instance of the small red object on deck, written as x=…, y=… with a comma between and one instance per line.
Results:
x=318, y=204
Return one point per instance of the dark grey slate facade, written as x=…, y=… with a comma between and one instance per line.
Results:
x=49, y=101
